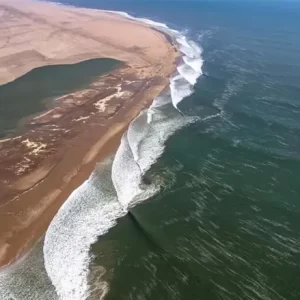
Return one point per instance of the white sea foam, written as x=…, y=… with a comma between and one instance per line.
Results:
x=116, y=186
x=153, y=23
x=27, y=278
x=195, y=64
x=188, y=73
x=189, y=70
x=180, y=89
x=140, y=148
x=88, y=213
x=127, y=178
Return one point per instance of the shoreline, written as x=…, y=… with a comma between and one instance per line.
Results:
x=30, y=204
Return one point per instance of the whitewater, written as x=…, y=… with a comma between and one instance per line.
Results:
x=115, y=186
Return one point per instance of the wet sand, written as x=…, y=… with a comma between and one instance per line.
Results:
x=59, y=150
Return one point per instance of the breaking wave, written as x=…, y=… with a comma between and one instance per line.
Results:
x=140, y=148
x=118, y=183
x=89, y=212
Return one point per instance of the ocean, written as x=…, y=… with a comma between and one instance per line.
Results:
x=201, y=200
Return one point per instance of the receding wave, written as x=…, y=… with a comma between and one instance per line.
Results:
x=89, y=212
x=27, y=279
x=118, y=183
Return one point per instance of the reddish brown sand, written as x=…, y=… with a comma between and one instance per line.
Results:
x=61, y=146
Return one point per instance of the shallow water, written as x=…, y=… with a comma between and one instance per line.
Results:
x=33, y=92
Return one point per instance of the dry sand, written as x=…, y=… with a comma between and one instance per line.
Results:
x=40, y=169
x=34, y=34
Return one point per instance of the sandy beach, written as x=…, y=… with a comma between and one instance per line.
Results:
x=61, y=146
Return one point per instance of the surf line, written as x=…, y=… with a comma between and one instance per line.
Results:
x=72, y=280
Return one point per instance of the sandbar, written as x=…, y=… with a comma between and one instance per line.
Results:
x=61, y=146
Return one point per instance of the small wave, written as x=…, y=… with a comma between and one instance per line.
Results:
x=205, y=34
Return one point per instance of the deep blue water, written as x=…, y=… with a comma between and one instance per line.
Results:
x=226, y=222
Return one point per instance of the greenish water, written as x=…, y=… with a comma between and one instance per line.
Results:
x=226, y=222
x=32, y=92
x=225, y=226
